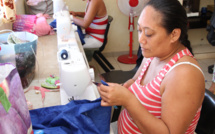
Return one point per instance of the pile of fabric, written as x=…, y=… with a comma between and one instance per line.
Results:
x=36, y=24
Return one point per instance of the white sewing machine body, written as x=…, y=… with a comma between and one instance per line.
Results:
x=75, y=75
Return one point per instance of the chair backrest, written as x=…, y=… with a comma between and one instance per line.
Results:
x=206, y=124
x=110, y=18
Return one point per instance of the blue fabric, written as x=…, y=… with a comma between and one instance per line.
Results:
x=77, y=117
x=53, y=24
x=81, y=34
x=79, y=30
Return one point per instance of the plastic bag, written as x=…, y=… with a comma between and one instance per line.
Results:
x=15, y=117
x=22, y=55
x=76, y=117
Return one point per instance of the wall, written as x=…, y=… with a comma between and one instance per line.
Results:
x=204, y=3
x=20, y=6
x=118, y=37
x=119, y=33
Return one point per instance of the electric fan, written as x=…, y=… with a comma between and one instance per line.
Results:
x=131, y=8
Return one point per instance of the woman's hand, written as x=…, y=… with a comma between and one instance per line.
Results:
x=73, y=13
x=114, y=94
x=128, y=83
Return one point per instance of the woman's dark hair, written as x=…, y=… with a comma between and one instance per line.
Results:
x=174, y=16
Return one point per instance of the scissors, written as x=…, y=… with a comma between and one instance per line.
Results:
x=102, y=82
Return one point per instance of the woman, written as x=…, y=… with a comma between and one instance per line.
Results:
x=166, y=93
x=94, y=20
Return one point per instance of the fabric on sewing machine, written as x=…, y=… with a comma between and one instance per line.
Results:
x=77, y=117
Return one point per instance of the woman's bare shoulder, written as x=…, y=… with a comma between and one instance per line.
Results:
x=186, y=76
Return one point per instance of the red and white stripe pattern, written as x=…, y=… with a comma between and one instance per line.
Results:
x=97, y=28
x=149, y=96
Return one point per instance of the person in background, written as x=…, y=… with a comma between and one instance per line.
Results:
x=94, y=20
x=166, y=93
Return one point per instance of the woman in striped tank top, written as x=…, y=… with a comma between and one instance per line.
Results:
x=166, y=93
x=94, y=20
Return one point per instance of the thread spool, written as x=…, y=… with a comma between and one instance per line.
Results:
x=64, y=54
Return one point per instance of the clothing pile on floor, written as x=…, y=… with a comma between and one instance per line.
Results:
x=36, y=24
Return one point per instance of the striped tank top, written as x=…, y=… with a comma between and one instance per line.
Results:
x=149, y=96
x=97, y=27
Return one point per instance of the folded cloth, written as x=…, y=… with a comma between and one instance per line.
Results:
x=76, y=117
x=53, y=24
x=81, y=34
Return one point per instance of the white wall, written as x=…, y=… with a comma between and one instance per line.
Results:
x=119, y=34
x=20, y=7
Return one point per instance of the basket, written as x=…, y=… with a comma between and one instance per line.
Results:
x=22, y=55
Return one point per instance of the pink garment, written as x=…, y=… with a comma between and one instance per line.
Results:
x=42, y=27
x=25, y=23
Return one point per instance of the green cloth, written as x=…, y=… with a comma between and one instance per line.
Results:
x=4, y=100
x=50, y=83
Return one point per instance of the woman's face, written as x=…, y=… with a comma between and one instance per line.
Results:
x=153, y=38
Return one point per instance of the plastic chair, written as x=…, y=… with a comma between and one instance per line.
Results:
x=206, y=124
x=120, y=76
x=97, y=54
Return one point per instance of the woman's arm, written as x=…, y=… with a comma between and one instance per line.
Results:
x=90, y=14
x=77, y=14
x=183, y=93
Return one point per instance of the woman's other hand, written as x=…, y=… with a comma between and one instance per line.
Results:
x=73, y=13
x=128, y=83
x=114, y=94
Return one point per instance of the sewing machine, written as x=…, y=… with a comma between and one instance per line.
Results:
x=76, y=78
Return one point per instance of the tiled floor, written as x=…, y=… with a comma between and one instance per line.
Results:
x=47, y=65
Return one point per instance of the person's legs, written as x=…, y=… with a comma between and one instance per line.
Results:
x=91, y=42
x=91, y=45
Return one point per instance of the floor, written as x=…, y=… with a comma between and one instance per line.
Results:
x=47, y=65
